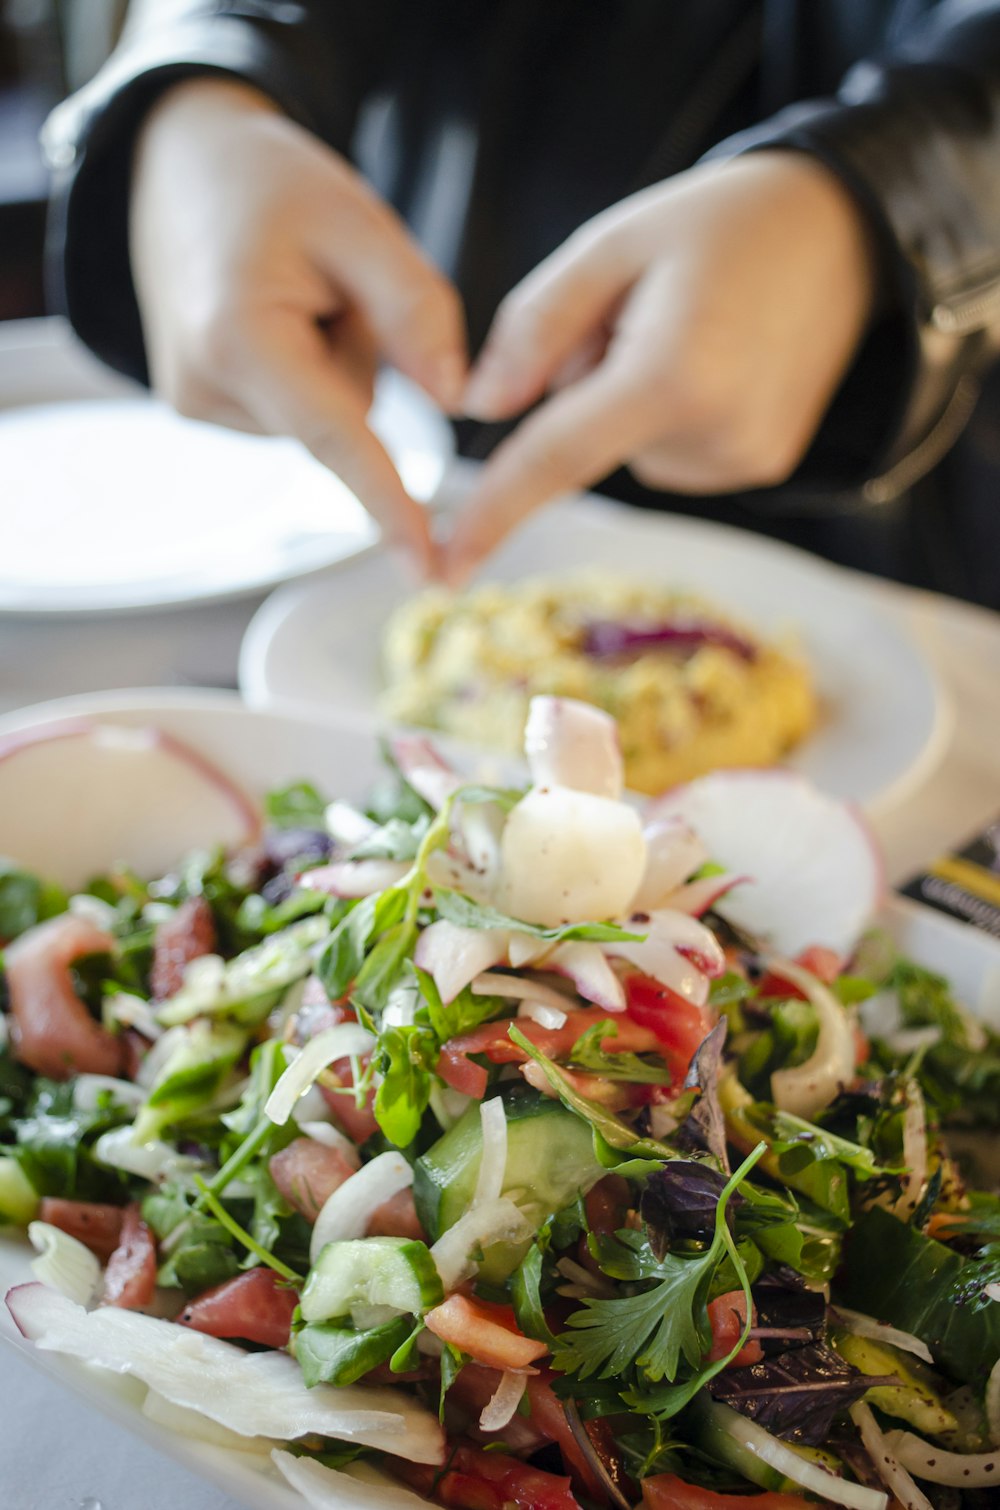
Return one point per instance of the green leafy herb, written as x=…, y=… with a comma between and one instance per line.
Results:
x=26, y=900
x=589, y=1053
x=331, y=1354
x=298, y=805
x=465, y=913
x=407, y=1055
x=243, y=1237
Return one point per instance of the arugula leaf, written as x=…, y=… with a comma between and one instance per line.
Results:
x=344, y=953
x=590, y=1054
x=331, y=1354
x=55, y=1140
x=465, y=913
x=453, y=1360
x=525, y=1289
x=408, y=1056
x=395, y=840
x=465, y=1012
x=26, y=900
x=257, y=915
x=298, y=805
x=384, y=965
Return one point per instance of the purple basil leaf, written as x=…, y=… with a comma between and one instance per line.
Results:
x=607, y=639
x=679, y=1204
x=796, y=1395
x=788, y=1310
x=282, y=845
x=704, y=1129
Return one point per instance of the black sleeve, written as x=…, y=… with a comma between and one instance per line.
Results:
x=314, y=59
x=915, y=138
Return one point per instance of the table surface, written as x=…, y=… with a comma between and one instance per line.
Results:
x=98, y=1466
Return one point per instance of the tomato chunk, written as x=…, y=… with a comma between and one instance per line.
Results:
x=491, y=1039
x=98, y=1227
x=396, y=1217
x=358, y=1122
x=257, y=1306
x=307, y=1173
x=665, y=1491
x=727, y=1316
x=487, y=1332
x=476, y=1480
x=677, y=1025
x=130, y=1278
x=824, y=963
x=187, y=935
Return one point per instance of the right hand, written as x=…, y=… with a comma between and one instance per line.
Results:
x=271, y=279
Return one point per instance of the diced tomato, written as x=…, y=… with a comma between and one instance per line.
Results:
x=862, y=1048
x=677, y=1025
x=97, y=1226
x=665, y=1491
x=307, y=1173
x=727, y=1316
x=606, y=1204
x=824, y=963
x=188, y=934
x=51, y=1030
x=491, y=1039
x=474, y=1388
x=396, y=1217
x=477, y=1480
x=487, y=1332
x=358, y=1122
x=256, y=1306
x=548, y=1415
x=130, y=1278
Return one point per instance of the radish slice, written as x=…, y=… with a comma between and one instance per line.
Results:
x=331, y=1489
x=478, y=827
x=354, y=878
x=808, y=1088
x=696, y=897
x=673, y=852
x=526, y=949
x=586, y=965
x=569, y=857
x=64, y=1263
x=81, y=797
x=454, y=956
x=573, y=744
x=811, y=1476
x=493, y=1163
x=423, y=769
x=817, y=875
x=518, y=989
x=492, y=1222
x=349, y=1209
x=253, y=1394
x=678, y=951
x=894, y=1477
x=499, y=1410
x=346, y=826
x=964, y=1470
x=338, y=1042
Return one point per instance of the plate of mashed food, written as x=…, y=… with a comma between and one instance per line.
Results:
x=709, y=646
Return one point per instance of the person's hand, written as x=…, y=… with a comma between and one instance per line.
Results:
x=270, y=279
x=696, y=331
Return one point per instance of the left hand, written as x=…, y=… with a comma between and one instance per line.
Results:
x=697, y=332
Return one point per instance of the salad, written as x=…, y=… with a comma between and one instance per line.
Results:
x=494, y=1146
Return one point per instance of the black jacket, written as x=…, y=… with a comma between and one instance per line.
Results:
x=532, y=115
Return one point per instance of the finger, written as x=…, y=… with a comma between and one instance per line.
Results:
x=577, y=437
x=554, y=317
x=412, y=309
x=352, y=346
x=294, y=388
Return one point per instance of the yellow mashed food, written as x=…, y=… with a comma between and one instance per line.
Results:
x=690, y=688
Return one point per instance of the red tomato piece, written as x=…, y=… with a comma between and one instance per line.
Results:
x=548, y=1415
x=98, y=1227
x=677, y=1025
x=606, y=1204
x=307, y=1173
x=358, y=1122
x=491, y=1039
x=51, y=1030
x=130, y=1278
x=665, y=1491
x=188, y=934
x=257, y=1306
x=514, y=1482
x=824, y=963
x=727, y=1316
x=396, y=1217
x=487, y=1332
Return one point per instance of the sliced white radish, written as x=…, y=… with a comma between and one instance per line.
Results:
x=569, y=857
x=81, y=797
x=331, y=1489
x=347, y=1212
x=422, y=768
x=453, y=956
x=192, y=1424
x=492, y=983
x=673, y=852
x=573, y=744
x=546, y=1016
x=64, y=1263
x=807, y=1088
x=816, y=872
x=527, y=949
x=696, y=897
x=586, y=965
x=346, y=826
x=477, y=828
x=253, y=1394
x=338, y=1042
x=677, y=950
x=354, y=878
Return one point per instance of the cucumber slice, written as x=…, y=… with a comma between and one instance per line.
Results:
x=916, y=1398
x=712, y=1437
x=550, y=1161
x=397, y=1272
x=18, y=1197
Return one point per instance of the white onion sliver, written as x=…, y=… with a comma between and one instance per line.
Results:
x=492, y=1222
x=346, y=825
x=332, y=1137
x=354, y=878
x=453, y=956
x=492, y=983
x=507, y=1396
x=964, y=1470
x=152, y=1160
x=548, y=1017
x=890, y=1471
x=64, y=1263
x=331, y=1489
x=808, y=1088
x=493, y=1163
x=89, y=1089
x=333, y=1043
x=349, y=1209
x=878, y=1331
x=586, y=965
x=992, y=1292
x=673, y=852
x=191, y=1423
x=811, y=1476
x=991, y=1404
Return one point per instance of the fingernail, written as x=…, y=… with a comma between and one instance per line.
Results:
x=448, y=379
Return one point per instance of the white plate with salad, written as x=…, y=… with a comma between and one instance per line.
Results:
x=883, y=722
x=606, y=1217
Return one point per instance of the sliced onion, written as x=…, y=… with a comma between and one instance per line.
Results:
x=507, y=1396
x=493, y=1163
x=64, y=1263
x=93, y=910
x=254, y=1394
x=517, y=988
x=492, y=1222
x=160, y=1054
x=423, y=769
x=333, y=1043
x=678, y=951
x=152, y=1160
x=550, y=1018
x=586, y=965
x=963, y=1470
x=526, y=949
x=88, y=1090
x=893, y=1475
x=808, y=1088
x=573, y=744
x=354, y=878
x=991, y=1404
x=131, y=1011
x=447, y=1104
x=878, y=1331
x=454, y=956
x=347, y=1212
x=331, y=1489
x=673, y=852
x=992, y=1292
x=696, y=897
x=332, y=1137
x=811, y=1476
x=401, y=1007
x=182, y=1422
x=346, y=826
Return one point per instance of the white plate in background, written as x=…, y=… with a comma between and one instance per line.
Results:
x=115, y=503
x=884, y=722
